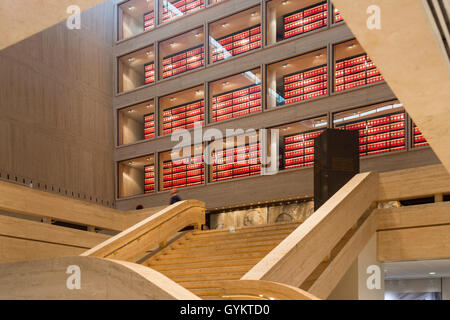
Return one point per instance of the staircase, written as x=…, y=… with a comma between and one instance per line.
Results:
x=199, y=259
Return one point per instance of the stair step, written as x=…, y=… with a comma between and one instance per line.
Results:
x=205, y=252
x=199, y=265
x=239, y=236
x=199, y=284
x=166, y=260
x=278, y=226
x=223, y=246
x=207, y=292
x=210, y=271
x=206, y=277
x=226, y=243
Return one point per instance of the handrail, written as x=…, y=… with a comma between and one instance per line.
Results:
x=297, y=256
x=134, y=242
x=100, y=279
x=261, y=290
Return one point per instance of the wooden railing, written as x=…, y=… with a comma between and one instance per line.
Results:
x=261, y=290
x=136, y=241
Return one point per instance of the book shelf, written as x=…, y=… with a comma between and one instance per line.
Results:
x=337, y=16
x=173, y=9
x=149, y=126
x=149, y=179
x=183, y=61
x=183, y=116
x=303, y=85
x=418, y=140
x=236, y=103
x=178, y=174
x=299, y=149
x=356, y=71
x=237, y=43
x=149, y=71
x=379, y=134
x=305, y=20
x=149, y=20
x=236, y=162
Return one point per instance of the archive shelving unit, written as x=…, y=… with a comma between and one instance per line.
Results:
x=184, y=172
x=236, y=103
x=418, y=140
x=304, y=85
x=236, y=162
x=379, y=134
x=149, y=179
x=149, y=126
x=149, y=20
x=305, y=20
x=149, y=72
x=183, y=116
x=183, y=61
x=356, y=71
x=298, y=149
x=183, y=6
x=237, y=43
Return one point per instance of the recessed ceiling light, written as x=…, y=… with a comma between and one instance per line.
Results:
x=253, y=13
x=224, y=24
x=172, y=99
x=147, y=106
x=432, y=273
x=131, y=8
x=318, y=55
x=197, y=34
x=130, y=163
x=351, y=46
x=285, y=65
x=172, y=43
x=130, y=59
x=131, y=110
x=148, y=159
x=148, y=53
x=284, y=2
x=225, y=83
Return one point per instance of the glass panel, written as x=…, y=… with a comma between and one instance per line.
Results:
x=172, y=9
x=135, y=16
x=297, y=79
x=353, y=67
x=136, y=69
x=418, y=140
x=182, y=110
x=136, y=123
x=235, y=35
x=337, y=16
x=289, y=18
x=235, y=157
x=235, y=96
x=381, y=127
x=182, y=170
x=137, y=176
x=181, y=53
x=297, y=142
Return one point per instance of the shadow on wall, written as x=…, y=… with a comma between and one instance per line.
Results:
x=263, y=215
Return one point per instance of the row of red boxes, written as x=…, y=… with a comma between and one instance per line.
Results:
x=235, y=44
x=149, y=72
x=299, y=149
x=181, y=183
x=252, y=31
x=294, y=161
x=239, y=100
x=418, y=140
x=306, y=96
x=238, y=107
x=303, y=75
x=185, y=68
x=306, y=82
x=183, y=108
x=149, y=20
x=176, y=9
x=305, y=20
x=337, y=16
x=149, y=179
x=149, y=126
x=237, y=173
x=236, y=93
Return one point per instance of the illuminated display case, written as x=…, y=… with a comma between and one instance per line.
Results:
x=136, y=123
x=290, y=18
x=172, y=9
x=337, y=16
x=353, y=68
x=235, y=159
x=136, y=69
x=235, y=34
x=382, y=127
x=134, y=17
x=236, y=96
x=182, y=53
x=418, y=140
x=297, y=79
x=183, y=171
x=182, y=110
x=136, y=176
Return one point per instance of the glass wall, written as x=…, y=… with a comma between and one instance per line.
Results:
x=337, y=16
x=235, y=96
x=136, y=123
x=135, y=16
x=382, y=127
x=353, y=67
x=297, y=79
x=136, y=69
x=182, y=169
x=297, y=142
x=235, y=35
x=181, y=53
x=136, y=176
x=172, y=9
x=289, y=18
x=182, y=110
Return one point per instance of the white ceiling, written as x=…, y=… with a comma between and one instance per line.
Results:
x=417, y=269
